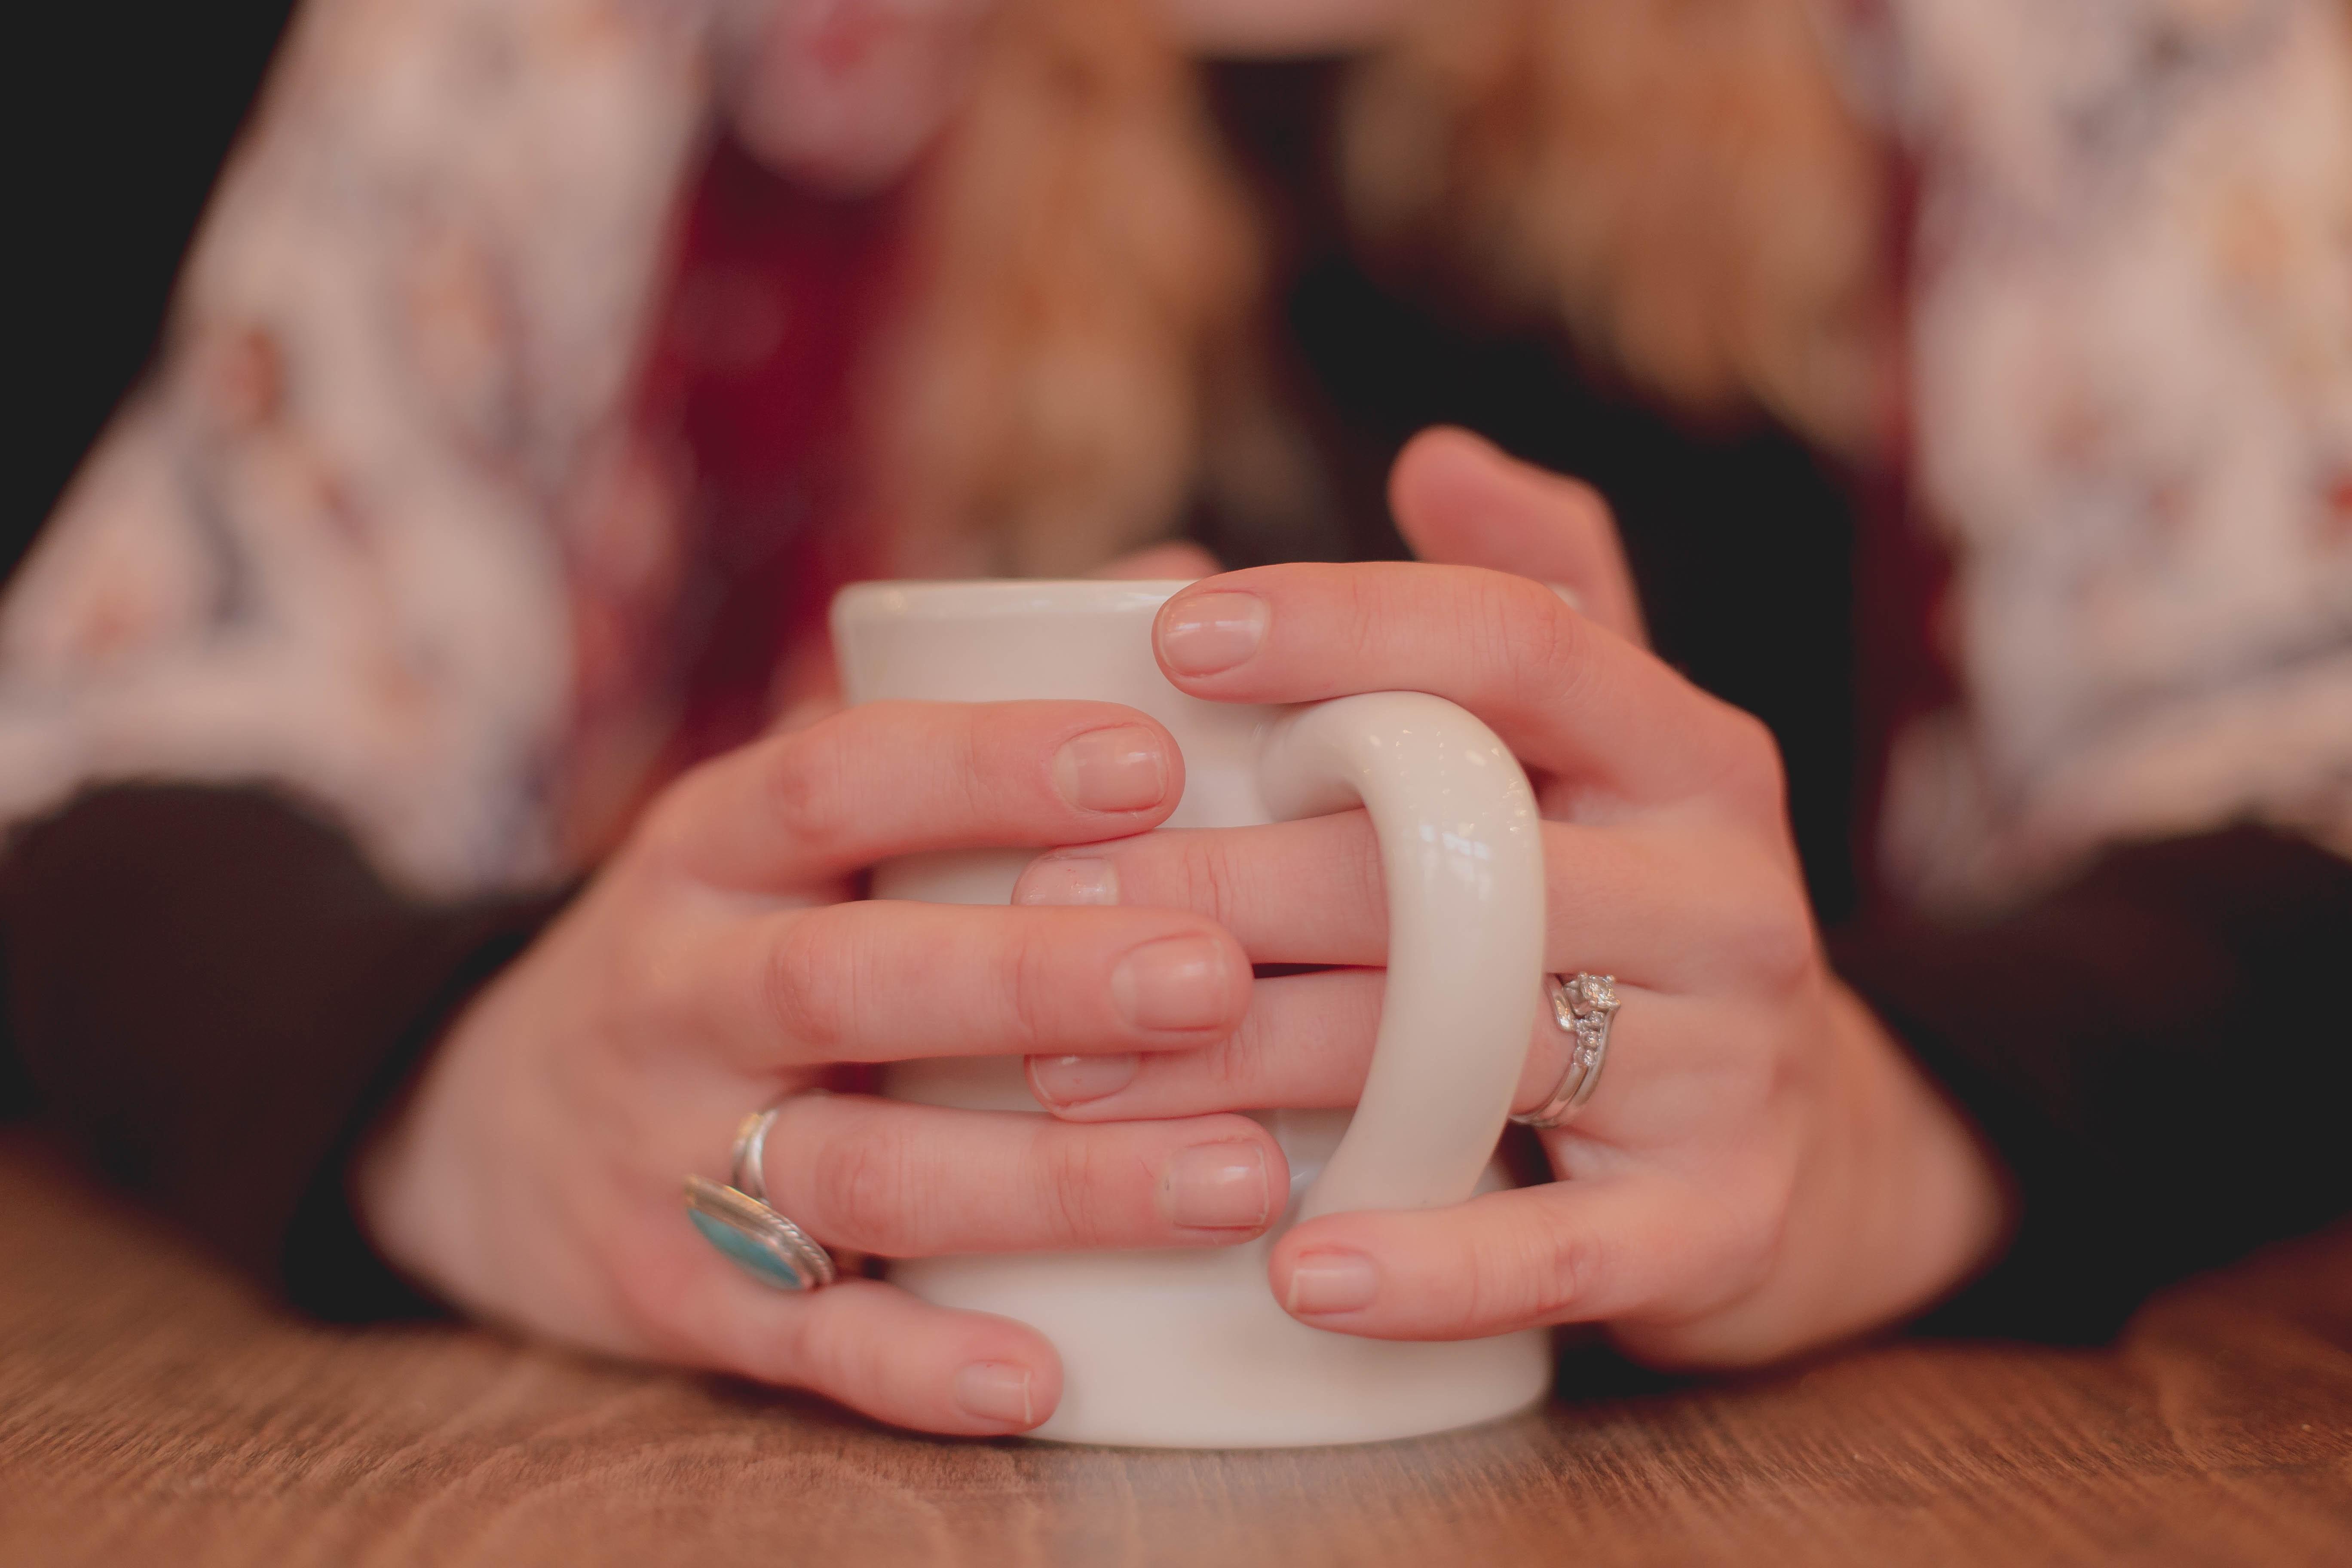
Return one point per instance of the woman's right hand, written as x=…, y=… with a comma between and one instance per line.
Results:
x=720, y=963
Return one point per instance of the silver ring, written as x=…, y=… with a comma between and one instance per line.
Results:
x=1584, y=1006
x=738, y=1221
x=748, y=1173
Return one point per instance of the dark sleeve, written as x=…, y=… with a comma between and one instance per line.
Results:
x=2160, y=1054
x=211, y=992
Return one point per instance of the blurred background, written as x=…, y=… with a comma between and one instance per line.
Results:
x=124, y=115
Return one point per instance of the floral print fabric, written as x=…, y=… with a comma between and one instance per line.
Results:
x=328, y=544
x=2131, y=333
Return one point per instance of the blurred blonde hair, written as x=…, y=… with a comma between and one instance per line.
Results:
x=1082, y=250
x=1676, y=182
x=1679, y=183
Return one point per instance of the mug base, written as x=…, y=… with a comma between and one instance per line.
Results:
x=1190, y=1350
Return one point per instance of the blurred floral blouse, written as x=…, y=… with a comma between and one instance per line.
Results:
x=393, y=524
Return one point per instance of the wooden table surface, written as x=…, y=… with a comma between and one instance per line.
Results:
x=153, y=1410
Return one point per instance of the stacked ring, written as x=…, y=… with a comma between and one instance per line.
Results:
x=749, y=1174
x=1582, y=1006
x=738, y=1221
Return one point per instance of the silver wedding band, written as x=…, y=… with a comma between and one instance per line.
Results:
x=738, y=1221
x=1582, y=1006
x=749, y=1173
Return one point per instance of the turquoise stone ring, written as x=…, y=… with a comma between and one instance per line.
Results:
x=756, y=1238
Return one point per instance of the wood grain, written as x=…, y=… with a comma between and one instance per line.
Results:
x=154, y=1408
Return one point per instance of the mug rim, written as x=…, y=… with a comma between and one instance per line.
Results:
x=989, y=598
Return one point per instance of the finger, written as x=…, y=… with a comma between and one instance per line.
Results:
x=917, y=1181
x=1310, y=891
x=1565, y=1252
x=1307, y=1045
x=878, y=1350
x=1667, y=903
x=887, y=980
x=1564, y=693
x=1460, y=499
x=899, y=778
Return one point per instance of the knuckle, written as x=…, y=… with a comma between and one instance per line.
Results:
x=1507, y=611
x=807, y=984
x=1566, y=1268
x=825, y=1352
x=1365, y=623
x=646, y=989
x=1237, y=1064
x=1204, y=869
x=981, y=758
x=1548, y=640
x=1068, y=1183
x=858, y=1190
x=1749, y=770
x=666, y=840
x=1769, y=939
x=1584, y=508
x=1540, y=1278
x=1031, y=984
x=662, y=835
x=803, y=783
x=806, y=1355
x=1214, y=876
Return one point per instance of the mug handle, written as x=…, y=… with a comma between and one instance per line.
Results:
x=1462, y=851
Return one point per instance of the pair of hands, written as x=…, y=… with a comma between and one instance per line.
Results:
x=1761, y=1171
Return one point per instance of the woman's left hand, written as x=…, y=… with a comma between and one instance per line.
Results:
x=1762, y=1168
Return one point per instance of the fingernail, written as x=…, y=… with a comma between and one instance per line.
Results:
x=1217, y=1186
x=1209, y=632
x=1063, y=1082
x=996, y=1390
x=1176, y=983
x=1112, y=769
x=1567, y=596
x=1330, y=1282
x=1080, y=879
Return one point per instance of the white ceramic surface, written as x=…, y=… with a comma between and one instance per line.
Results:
x=1189, y=1349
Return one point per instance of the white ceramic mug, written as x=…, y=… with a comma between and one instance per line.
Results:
x=1190, y=1348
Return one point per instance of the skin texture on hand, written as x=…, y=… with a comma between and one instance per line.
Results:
x=720, y=963
x=1761, y=1169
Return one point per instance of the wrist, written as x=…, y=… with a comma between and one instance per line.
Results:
x=1928, y=1204
x=409, y=1177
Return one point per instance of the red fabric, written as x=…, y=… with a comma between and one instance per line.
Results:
x=751, y=378
x=706, y=555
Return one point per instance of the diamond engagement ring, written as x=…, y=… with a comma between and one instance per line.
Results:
x=1582, y=1005
x=738, y=1221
